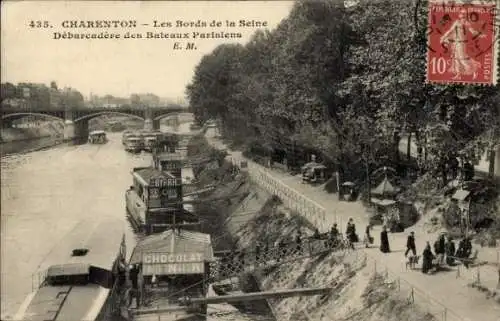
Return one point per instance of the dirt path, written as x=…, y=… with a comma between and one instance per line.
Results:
x=443, y=290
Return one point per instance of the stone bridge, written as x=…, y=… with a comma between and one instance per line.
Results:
x=76, y=119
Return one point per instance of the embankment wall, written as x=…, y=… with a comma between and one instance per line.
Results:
x=44, y=129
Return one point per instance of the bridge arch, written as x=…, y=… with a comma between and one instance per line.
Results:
x=25, y=114
x=172, y=114
x=101, y=113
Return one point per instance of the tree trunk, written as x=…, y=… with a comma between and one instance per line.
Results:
x=425, y=149
x=368, y=180
x=496, y=161
x=408, y=147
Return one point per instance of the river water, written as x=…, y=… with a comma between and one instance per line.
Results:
x=44, y=194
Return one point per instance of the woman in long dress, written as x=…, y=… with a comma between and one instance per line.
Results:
x=427, y=259
x=455, y=38
x=384, y=241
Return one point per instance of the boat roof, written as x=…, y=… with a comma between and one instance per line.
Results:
x=145, y=174
x=97, y=132
x=101, y=238
x=59, y=303
x=178, y=241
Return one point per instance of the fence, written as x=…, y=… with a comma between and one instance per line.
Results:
x=315, y=213
x=292, y=199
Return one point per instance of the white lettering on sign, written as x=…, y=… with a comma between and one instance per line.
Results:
x=184, y=268
x=155, y=258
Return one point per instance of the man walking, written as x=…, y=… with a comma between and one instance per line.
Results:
x=410, y=244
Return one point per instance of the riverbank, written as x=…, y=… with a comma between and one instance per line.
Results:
x=48, y=134
x=257, y=217
x=444, y=293
x=29, y=145
x=42, y=130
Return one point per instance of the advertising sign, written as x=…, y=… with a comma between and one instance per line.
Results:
x=173, y=263
x=163, y=258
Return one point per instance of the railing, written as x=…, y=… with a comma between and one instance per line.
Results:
x=37, y=279
x=233, y=263
x=315, y=213
x=413, y=294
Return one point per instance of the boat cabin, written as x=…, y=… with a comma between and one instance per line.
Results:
x=134, y=144
x=155, y=202
x=174, y=265
x=126, y=134
x=169, y=162
x=167, y=143
x=97, y=137
x=150, y=142
x=82, y=276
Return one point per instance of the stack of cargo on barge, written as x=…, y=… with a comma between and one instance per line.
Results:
x=172, y=267
x=82, y=277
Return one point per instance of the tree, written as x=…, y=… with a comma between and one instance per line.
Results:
x=8, y=91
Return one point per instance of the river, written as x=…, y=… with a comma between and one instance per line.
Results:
x=45, y=193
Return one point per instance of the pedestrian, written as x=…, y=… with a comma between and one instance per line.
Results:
x=351, y=231
x=450, y=251
x=410, y=244
x=467, y=247
x=368, y=237
x=427, y=257
x=440, y=249
x=384, y=241
x=334, y=232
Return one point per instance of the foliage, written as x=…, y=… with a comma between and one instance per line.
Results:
x=346, y=82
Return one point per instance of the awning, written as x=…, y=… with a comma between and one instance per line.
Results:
x=385, y=188
x=161, y=247
x=461, y=195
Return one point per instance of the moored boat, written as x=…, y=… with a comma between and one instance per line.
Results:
x=173, y=266
x=134, y=144
x=126, y=134
x=154, y=201
x=82, y=277
x=150, y=140
x=97, y=137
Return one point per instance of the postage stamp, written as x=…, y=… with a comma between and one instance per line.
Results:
x=463, y=40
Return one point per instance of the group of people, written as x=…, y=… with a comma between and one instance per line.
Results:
x=445, y=251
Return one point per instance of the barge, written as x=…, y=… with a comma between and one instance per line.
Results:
x=83, y=276
x=173, y=266
x=97, y=137
x=155, y=201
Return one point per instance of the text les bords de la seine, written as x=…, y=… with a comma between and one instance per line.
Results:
x=161, y=24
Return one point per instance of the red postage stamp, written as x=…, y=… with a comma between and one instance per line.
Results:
x=463, y=42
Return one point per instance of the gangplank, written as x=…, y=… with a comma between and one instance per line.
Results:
x=250, y=296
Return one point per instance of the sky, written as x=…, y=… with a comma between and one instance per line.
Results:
x=119, y=67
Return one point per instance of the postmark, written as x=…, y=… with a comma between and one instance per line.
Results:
x=462, y=42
